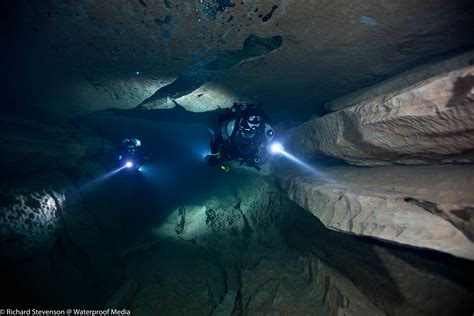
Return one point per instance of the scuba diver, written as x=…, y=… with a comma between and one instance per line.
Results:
x=243, y=135
x=131, y=154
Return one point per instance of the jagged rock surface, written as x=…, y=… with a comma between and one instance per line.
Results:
x=38, y=209
x=398, y=280
x=31, y=214
x=401, y=81
x=91, y=55
x=243, y=230
x=242, y=249
x=50, y=239
x=230, y=220
x=427, y=207
x=301, y=286
x=429, y=122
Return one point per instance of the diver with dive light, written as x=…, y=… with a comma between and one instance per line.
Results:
x=131, y=154
x=244, y=134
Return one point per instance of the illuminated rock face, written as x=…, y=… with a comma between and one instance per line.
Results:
x=92, y=55
x=197, y=75
x=243, y=230
x=425, y=207
x=40, y=209
x=31, y=215
x=401, y=81
x=281, y=259
x=429, y=122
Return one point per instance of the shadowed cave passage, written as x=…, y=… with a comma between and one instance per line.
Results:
x=365, y=207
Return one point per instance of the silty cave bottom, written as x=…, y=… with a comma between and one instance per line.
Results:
x=366, y=209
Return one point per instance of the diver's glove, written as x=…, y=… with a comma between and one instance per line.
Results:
x=213, y=159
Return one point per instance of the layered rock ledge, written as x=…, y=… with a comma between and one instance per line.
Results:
x=427, y=207
x=401, y=81
x=429, y=122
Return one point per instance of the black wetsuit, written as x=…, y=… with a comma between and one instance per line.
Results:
x=233, y=140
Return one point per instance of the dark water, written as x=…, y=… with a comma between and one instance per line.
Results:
x=177, y=173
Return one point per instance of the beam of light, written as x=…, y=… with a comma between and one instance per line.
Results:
x=101, y=178
x=204, y=153
x=301, y=163
x=278, y=148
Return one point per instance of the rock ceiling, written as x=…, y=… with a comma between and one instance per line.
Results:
x=68, y=58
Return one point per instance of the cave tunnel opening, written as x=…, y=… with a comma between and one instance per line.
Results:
x=237, y=158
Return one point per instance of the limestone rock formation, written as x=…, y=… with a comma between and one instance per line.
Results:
x=399, y=280
x=242, y=249
x=429, y=122
x=92, y=55
x=242, y=228
x=301, y=286
x=340, y=295
x=197, y=75
x=401, y=81
x=426, y=207
x=246, y=215
x=30, y=214
x=38, y=210
x=179, y=238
